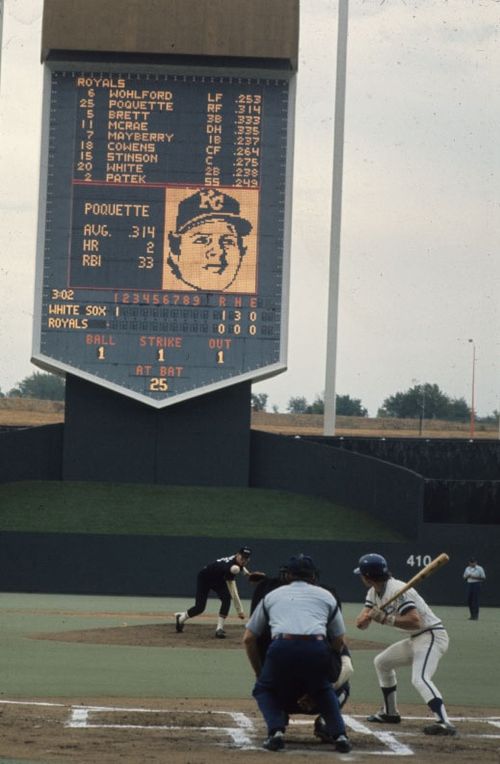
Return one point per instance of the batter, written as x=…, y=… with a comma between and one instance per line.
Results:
x=422, y=649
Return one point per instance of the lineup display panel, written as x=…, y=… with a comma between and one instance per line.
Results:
x=163, y=265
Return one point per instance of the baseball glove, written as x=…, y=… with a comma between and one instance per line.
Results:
x=256, y=576
x=307, y=705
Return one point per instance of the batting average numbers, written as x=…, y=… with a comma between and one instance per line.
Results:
x=418, y=560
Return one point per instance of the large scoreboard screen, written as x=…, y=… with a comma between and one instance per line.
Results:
x=164, y=234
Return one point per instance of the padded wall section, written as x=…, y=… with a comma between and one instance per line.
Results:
x=307, y=467
x=433, y=458
x=59, y=563
x=462, y=501
x=32, y=453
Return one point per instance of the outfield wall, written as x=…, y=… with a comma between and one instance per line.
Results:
x=145, y=565
x=167, y=567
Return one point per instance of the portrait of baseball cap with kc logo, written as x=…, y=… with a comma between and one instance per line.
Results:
x=210, y=203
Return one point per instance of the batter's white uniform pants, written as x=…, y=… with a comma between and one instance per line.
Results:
x=422, y=653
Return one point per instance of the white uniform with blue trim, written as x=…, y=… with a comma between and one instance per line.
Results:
x=422, y=648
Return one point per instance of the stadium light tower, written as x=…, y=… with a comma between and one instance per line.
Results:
x=1, y=27
x=336, y=218
x=472, y=412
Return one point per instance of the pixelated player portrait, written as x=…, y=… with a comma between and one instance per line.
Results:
x=211, y=242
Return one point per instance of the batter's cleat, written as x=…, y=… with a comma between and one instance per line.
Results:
x=342, y=744
x=440, y=728
x=220, y=634
x=382, y=718
x=179, y=626
x=274, y=742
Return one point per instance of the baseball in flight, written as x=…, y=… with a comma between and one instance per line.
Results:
x=235, y=569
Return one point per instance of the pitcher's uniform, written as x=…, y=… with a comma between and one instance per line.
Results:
x=213, y=577
x=217, y=576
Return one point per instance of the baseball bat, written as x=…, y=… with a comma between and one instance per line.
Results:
x=428, y=570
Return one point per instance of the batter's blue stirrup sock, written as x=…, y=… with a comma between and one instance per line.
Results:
x=390, y=700
x=437, y=707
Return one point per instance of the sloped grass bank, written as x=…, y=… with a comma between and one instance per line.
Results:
x=107, y=508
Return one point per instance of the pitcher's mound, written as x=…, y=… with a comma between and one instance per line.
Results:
x=195, y=634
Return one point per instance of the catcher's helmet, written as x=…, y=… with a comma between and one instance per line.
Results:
x=302, y=566
x=372, y=566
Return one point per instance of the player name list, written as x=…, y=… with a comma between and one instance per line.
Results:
x=117, y=144
x=136, y=126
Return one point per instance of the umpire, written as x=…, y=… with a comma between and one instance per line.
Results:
x=301, y=617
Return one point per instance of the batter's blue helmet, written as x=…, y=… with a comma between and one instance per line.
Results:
x=373, y=566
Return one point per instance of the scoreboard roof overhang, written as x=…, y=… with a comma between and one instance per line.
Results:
x=239, y=29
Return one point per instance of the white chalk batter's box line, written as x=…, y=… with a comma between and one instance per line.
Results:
x=242, y=724
x=242, y=732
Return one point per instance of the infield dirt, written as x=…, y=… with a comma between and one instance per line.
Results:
x=211, y=731
x=130, y=730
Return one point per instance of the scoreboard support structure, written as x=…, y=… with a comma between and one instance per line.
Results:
x=164, y=229
x=110, y=438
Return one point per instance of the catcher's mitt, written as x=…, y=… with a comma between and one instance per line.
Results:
x=256, y=576
x=307, y=705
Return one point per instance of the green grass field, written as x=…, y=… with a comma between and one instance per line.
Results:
x=32, y=668
x=36, y=668
x=64, y=507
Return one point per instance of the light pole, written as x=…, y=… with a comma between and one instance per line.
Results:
x=422, y=412
x=336, y=219
x=420, y=388
x=472, y=412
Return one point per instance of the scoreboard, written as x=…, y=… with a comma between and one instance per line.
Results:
x=162, y=266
